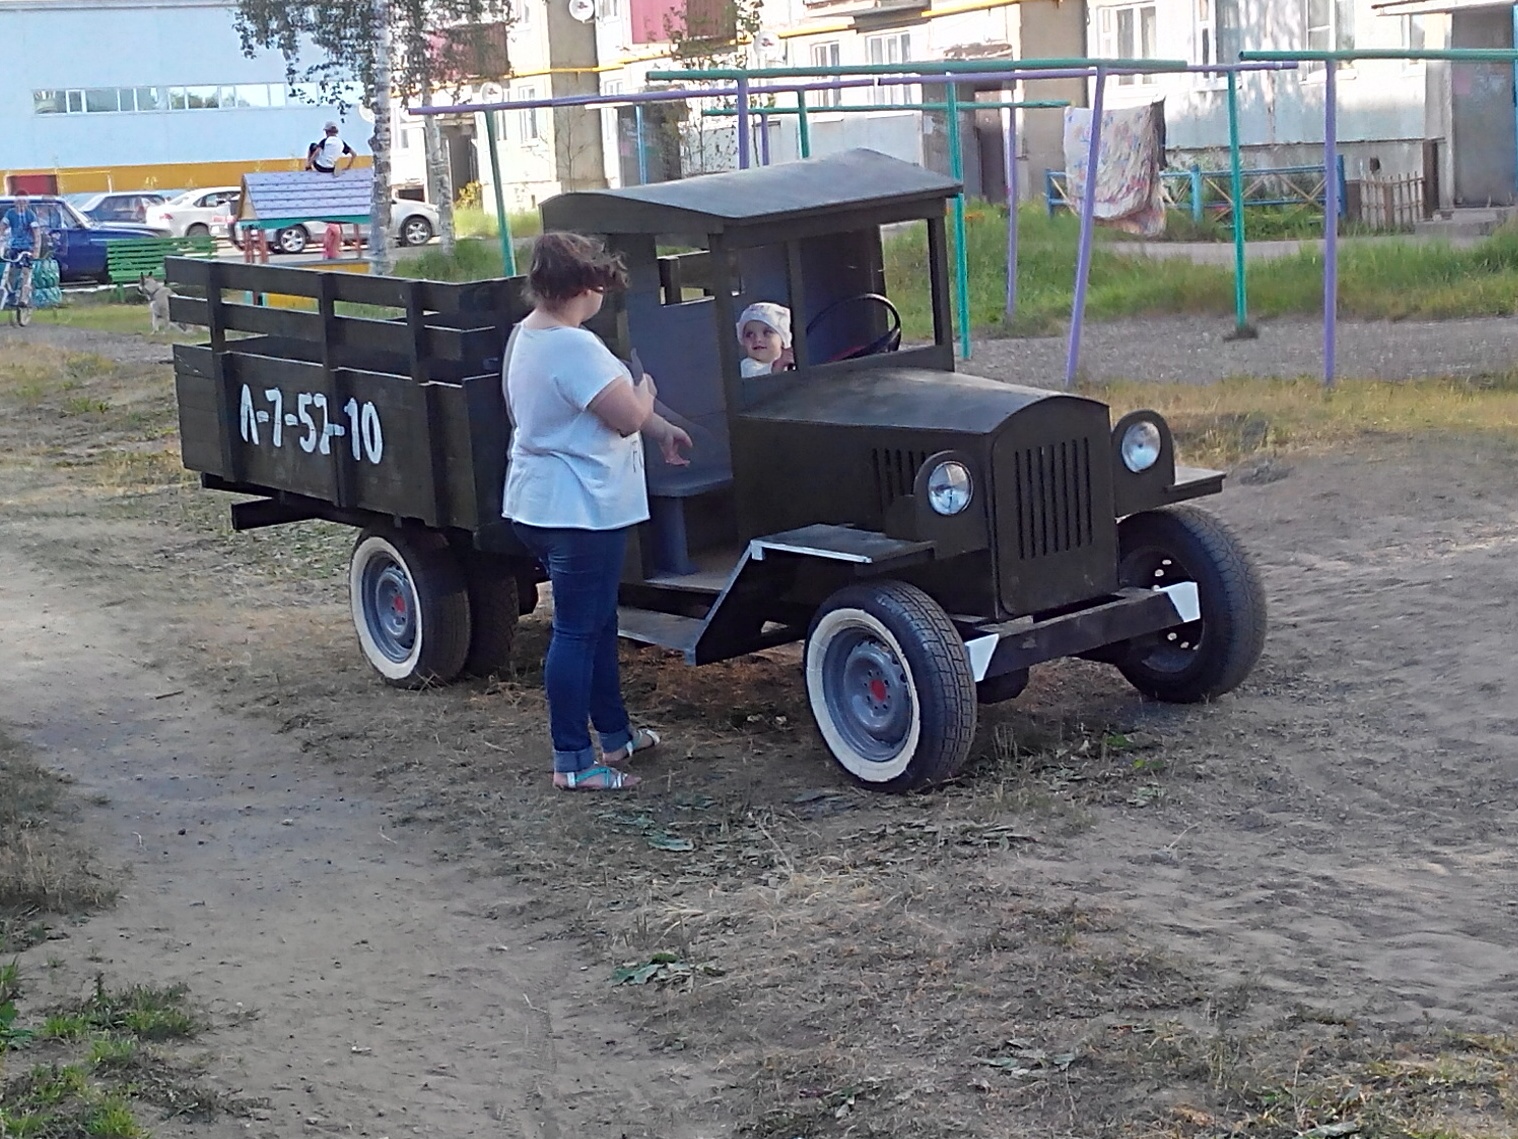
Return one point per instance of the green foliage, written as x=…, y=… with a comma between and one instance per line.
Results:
x=437, y=43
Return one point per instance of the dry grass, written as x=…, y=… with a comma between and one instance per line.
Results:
x=44, y=868
x=1225, y=422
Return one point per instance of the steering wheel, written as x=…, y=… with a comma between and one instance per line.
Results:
x=888, y=341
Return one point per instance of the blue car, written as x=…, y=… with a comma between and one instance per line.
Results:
x=77, y=242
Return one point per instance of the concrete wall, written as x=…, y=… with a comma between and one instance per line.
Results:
x=73, y=44
x=1050, y=30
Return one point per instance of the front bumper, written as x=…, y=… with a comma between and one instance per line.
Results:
x=1009, y=646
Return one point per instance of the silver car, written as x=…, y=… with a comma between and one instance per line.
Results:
x=411, y=223
x=193, y=213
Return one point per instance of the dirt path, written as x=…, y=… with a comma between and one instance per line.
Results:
x=1317, y=870
x=390, y=994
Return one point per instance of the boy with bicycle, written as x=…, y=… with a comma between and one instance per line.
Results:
x=21, y=230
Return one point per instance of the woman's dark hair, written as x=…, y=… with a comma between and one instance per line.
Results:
x=564, y=265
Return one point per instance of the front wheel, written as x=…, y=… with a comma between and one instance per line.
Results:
x=410, y=606
x=416, y=230
x=890, y=686
x=1209, y=656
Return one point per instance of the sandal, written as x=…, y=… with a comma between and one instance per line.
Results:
x=599, y=778
x=643, y=739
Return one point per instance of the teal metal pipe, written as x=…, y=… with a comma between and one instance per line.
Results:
x=803, y=126
x=1446, y=54
x=961, y=250
x=503, y=223
x=939, y=67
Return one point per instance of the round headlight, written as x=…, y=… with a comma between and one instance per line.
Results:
x=1141, y=446
x=949, y=488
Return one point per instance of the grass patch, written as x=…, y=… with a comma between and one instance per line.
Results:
x=98, y=1064
x=1225, y=422
x=472, y=259
x=1381, y=280
x=478, y=221
x=42, y=868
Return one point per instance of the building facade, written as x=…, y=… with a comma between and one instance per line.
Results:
x=121, y=94
x=610, y=46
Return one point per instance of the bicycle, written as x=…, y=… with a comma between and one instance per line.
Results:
x=15, y=291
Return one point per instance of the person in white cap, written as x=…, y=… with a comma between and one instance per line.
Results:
x=324, y=154
x=764, y=332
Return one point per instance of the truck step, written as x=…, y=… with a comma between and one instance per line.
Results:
x=663, y=629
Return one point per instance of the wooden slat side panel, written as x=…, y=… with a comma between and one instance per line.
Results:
x=200, y=426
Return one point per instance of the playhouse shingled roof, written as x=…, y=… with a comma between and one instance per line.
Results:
x=304, y=195
x=712, y=203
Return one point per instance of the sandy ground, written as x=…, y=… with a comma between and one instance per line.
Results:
x=367, y=870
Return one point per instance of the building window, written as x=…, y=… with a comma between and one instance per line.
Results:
x=1330, y=26
x=895, y=47
x=826, y=55
x=127, y=100
x=1205, y=42
x=1413, y=36
x=1132, y=32
x=609, y=10
x=527, y=118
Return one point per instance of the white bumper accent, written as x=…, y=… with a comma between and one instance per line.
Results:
x=1187, y=601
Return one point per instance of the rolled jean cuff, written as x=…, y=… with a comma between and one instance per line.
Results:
x=615, y=741
x=567, y=761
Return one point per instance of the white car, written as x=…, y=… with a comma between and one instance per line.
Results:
x=193, y=213
x=411, y=223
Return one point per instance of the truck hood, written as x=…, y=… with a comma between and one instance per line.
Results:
x=902, y=398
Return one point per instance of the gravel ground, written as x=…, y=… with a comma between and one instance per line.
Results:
x=1193, y=349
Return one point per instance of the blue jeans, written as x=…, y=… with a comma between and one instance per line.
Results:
x=581, y=673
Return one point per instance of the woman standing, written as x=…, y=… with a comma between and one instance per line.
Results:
x=574, y=488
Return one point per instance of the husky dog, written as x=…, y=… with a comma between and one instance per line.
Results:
x=158, y=295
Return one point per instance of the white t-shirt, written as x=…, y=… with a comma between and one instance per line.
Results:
x=329, y=150
x=568, y=468
x=749, y=367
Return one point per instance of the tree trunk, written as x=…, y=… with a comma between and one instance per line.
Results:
x=380, y=262
x=439, y=174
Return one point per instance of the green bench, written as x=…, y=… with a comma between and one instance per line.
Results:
x=127, y=259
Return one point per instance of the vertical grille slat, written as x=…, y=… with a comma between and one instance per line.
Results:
x=895, y=472
x=1053, y=498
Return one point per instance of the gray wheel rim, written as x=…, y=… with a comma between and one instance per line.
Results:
x=1173, y=650
x=390, y=608
x=868, y=696
x=290, y=241
x=416, y=232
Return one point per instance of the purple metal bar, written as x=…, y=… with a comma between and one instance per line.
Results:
x=1009, y=141
x=1330, y=219
x=743, y=139
x=1088, y=218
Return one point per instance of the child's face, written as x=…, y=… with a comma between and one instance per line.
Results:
x=761, y=342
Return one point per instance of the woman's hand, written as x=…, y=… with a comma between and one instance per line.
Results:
x=671, y=440
x=624, y=408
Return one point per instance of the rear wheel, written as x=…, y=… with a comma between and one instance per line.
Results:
x=1213, y=654
x=291, y=240
x=21, y=314
x=890, y=686
x=410, y=607
x=494, y=608
x=198, y=230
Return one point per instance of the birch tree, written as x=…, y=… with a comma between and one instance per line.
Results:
x=408, y=49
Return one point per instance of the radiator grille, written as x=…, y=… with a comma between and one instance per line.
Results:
x=895, y=472
x=1052, y=497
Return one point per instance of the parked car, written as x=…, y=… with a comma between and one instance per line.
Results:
x=411, y=223
x=76, y=241
x=130, y=206
x=193, y=213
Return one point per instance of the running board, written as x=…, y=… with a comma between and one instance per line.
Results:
x=667, y=630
